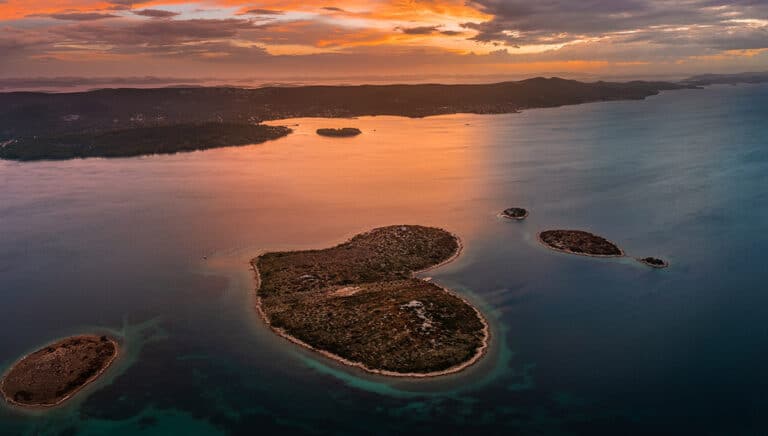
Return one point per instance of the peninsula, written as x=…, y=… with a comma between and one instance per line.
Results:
x=727, y=79
x=36, y=125
x=54, y=373
x=139, y=141
x=358, y=303
x=579, y=242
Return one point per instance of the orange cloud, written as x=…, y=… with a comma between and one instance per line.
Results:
x=16, y=9
x=457, y=35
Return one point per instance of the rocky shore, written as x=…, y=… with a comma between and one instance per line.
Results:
x=56, y=372
x=654, y=262
x=579, y=242
x=515, y=213
x=358, y=303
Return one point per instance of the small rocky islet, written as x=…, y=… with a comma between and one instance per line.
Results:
x=579, y=242
x=56, y=372
x=515, y=213
x=359, y=303
x=654, y=262
x=344, y=132
x=588, y=244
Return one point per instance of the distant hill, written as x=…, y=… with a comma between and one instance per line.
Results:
x=727, y=79
x=29, y=113
x=45, y=118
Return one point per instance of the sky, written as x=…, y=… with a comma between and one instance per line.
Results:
x=390, y=39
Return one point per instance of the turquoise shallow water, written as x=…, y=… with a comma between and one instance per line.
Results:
x=156, y=251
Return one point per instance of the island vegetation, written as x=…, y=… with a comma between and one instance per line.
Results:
x=515, y=213
x=359, y=303
x=579, y=242
x=654, y=262
x=56, y=372
x=139, y=141
x=344, y=132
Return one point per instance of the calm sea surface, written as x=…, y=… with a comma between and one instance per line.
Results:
x=156, y=249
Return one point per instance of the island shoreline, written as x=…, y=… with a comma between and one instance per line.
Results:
x=479, y=352
x=602, y=256
x=62, y=400
x=516, y=218
x=653, y=265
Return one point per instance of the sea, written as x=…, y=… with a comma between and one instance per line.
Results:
x=155, y=250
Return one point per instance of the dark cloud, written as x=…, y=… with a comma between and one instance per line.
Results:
x=734, y=38
x=121, y=5
x=420, y=30
x=18, y=42
x=517, y=23
x=746, y=40
x=258, y=11
x=427, y=30
x=81, y=16
x=547, y=18
x=218, y=52
x=615, y=31
x=156, y=13
x=154, y=33
x=70, y=82
x=202, y=36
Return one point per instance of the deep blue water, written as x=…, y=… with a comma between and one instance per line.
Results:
x=580, y=345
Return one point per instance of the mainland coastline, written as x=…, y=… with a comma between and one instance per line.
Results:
x=139, y=141
x=170, y=120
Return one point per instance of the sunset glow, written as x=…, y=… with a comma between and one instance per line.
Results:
x=236, y=39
